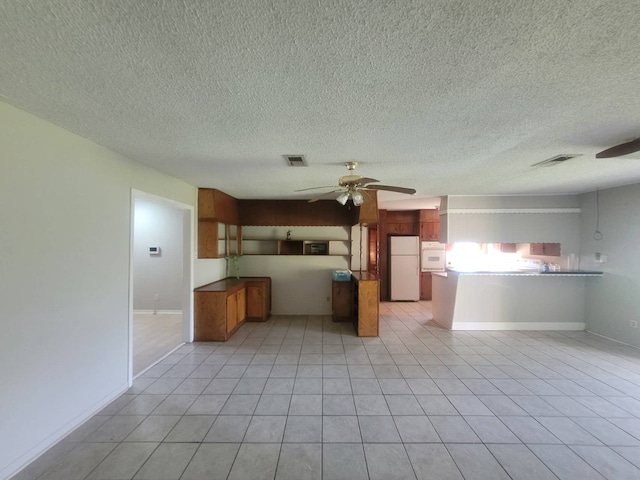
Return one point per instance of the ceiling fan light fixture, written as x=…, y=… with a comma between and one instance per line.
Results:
x=342, y=198
x=354, y=187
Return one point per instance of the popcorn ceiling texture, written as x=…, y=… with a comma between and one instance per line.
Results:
x=448, y=97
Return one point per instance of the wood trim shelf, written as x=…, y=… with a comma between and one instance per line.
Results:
x=269, y=246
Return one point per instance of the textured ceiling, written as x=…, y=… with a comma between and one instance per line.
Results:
x=447, y=97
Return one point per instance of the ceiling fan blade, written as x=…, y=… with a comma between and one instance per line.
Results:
x=408, y=191
x=365, y=180
x=619, y=150
x=314, y=188
x=315, y=199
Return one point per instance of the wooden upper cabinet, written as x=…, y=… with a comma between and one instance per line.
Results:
x=402, y=222
x=429, y=215
x=508, y=247
x=368, y=213
x=293, y=213
x=217, y=206
x=429, y=225
x=430, y=231
x=217, y=212
x=547, y=249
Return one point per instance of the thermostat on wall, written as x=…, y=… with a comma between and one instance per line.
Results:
x=154, y=250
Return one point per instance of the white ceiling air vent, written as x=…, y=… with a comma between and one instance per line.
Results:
x=557, y=160
x=295, y=160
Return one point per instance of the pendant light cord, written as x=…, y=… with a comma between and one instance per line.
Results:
x=597, y=235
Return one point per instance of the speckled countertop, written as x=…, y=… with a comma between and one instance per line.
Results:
x=528, y=273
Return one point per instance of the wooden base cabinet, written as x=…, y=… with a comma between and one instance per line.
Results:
x=222, y=307
x=358, y=301
x=258, y=299
x=236, y=310
x=341, y=300
x=426, y=283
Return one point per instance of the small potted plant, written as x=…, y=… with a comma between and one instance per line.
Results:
x=233, y=265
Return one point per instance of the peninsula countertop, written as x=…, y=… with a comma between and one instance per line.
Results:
x=526, y=273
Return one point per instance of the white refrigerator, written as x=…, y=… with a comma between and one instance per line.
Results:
x=405, y=268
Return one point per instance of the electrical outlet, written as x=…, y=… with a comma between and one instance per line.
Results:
x=634, y=323
x=156, y=297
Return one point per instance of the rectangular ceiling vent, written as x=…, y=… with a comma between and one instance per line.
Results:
x=295, y=160
x=557, y=160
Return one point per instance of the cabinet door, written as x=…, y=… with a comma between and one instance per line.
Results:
x=401, y=229
x=508, y=247
x=552, y=249
x=242, y=305
x=341, y=298
x=430, y=231
x=425, y=285
x=232, y=311
x=536, y=249
x=548, y=249
x=255, y=301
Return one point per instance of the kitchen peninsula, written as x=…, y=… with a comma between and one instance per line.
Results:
x=511, y=300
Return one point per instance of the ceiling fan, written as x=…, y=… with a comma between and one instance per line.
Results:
x=355, y=187
x=619, y=150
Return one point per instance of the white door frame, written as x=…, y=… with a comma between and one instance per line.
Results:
x=188, y=249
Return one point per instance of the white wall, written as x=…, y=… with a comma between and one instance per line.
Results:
x=613, y=300
x=65, y=210
x=301, y=284
x=207, y=270
x=161, y=226
x=508, y=219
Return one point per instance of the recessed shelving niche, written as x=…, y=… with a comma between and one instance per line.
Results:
x=316, y=241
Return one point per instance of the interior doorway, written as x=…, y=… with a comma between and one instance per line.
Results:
x=160, y=300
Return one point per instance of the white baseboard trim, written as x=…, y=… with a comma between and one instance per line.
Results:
x=41, y=447
x=158, y=361
x=614, y=340
x=157, y=312
x=441, y=325
x=567, y=326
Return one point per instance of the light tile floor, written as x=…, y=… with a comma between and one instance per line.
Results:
x=304, y=398
x=154, y=336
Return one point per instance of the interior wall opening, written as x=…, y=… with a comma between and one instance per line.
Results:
x=160, y=277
